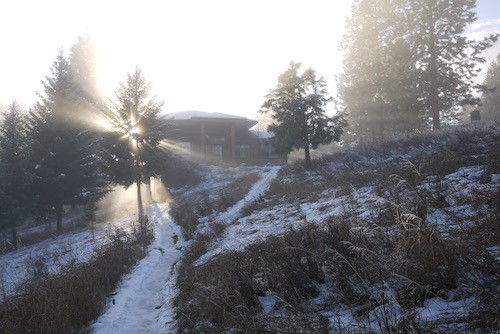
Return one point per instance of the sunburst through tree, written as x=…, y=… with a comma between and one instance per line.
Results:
x=131, y=142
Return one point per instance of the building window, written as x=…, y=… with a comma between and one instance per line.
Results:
x=243, y=151
x=266, y=150
x=214, y=152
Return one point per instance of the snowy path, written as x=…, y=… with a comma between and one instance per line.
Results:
x=142, y=302
x=257, y=189
x=229, y=241
x=143, y=299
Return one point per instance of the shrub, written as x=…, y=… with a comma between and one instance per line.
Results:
x=179, y=173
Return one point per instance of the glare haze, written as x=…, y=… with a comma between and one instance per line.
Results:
x=217, y=56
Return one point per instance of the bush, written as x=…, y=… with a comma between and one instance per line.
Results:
x=180, y=173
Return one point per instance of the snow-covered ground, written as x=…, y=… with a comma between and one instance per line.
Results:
x=457, y=188
x=142, y=303
x=54, y=253
x=143, y=299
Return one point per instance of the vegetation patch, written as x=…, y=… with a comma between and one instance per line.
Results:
x=188, y=208
x=413, y=232
x=69, y=301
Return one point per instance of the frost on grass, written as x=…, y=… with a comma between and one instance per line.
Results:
x=370, y=242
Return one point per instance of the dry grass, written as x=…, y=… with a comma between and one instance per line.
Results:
x=394, y=256
x=68, y=301
x=187, y=210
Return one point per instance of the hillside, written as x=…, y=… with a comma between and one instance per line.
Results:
x=399, y=236
x=389, y=237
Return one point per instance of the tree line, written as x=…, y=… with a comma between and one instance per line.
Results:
x=73, y=144
x=407, y=65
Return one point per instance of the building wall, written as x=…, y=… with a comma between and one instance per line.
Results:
x=212, y=142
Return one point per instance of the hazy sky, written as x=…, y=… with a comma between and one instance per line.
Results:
x=216, y=55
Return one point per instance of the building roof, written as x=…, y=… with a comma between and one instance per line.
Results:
x=190, y=114
x=197, y=117
x=262, y=134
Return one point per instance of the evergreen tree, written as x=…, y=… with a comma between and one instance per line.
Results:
x=297, y=108
x=88, y=102
x=63, y=155
x=378, y=85
x=82, y=60
x=408, y=61
x=449, y=60
x=132, y=151
x=82, y=68
x=14, y=175
x=491, y=100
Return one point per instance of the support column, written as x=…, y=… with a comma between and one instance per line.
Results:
x=202, y=143
x=233, y=144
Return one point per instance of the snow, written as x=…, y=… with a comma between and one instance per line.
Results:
x=262, y=134
x=385, y=316
x=437, y=308
x=258, y=189
x=236, y=239
x=54, y=253
x=280, y=219
x=143, y=299
x=268, y=302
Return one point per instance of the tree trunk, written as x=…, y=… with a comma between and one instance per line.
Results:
x=140, y=208
x=433, y=75
x=59, y=212
x=149, y=192
x=14, y=235
x=307, y=158
x=138, y=178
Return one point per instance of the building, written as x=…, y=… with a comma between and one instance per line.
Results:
x=218, y=138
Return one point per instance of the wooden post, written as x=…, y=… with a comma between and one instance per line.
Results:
x=202, y=143
x=233, y=144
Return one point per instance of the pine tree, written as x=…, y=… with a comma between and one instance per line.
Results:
x=82, y=60
x=408, y=61
x=83, y=71
x=14, y=176
x=378, y=85
x=491, y=100
x=448, y=58
x=132, y=151
x=88, y=103
x=63, y=155
x=299, y=118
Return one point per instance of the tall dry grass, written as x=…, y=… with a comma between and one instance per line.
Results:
x=68, y=301
x=393, y=259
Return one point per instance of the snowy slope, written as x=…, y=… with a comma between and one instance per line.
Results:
x=372, y=195
x=56, y=252
x=143, y=300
